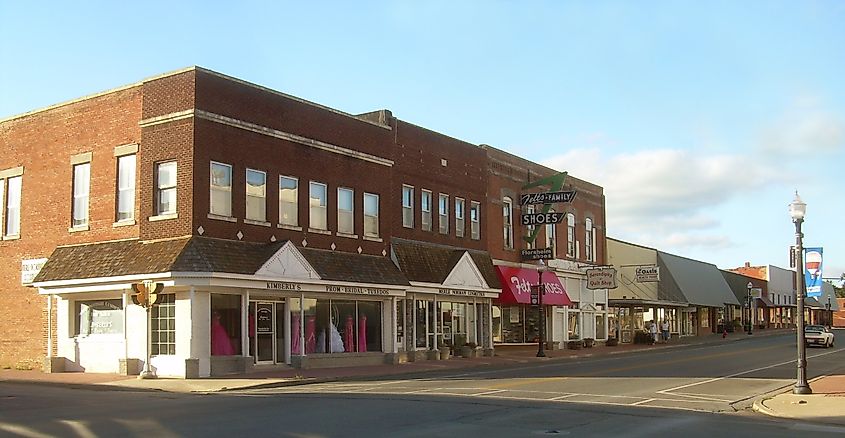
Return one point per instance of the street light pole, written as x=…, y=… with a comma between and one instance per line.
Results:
x=797, y=209
x=541, y=290
x=750, y=309
x=829, y=312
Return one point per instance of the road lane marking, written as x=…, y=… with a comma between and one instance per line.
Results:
x=648, y=400
x=522, y=382
x=562, y=397
x=495, y=391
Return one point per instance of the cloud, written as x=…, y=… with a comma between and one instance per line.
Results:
x=806, y=129
x=665, y=197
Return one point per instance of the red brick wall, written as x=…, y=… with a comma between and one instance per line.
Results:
x=508, y=174
x=43, y=142
x=418, y=163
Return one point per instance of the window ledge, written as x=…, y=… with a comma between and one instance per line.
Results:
x=411, y=226
x=255, y=222
x=218, y=217
x=78, y=229
x=318, y=231
x=289, y=227
x=373, y=239
x=346, y=235
x=124, y=223
x=12, y=237
x=163, y=217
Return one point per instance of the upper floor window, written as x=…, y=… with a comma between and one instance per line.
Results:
x=81, y=191
x=589, y=240
x=221, y=189
x=346, y=211
x=371, y=213
x=443, y=211
x=570, y=235
x=165, y=187
x=529, y=229
x=507, y=222
x=408, y=206
x=551, y=237
x=256, y=195
x=318, y=201
x=425, y=207
x=460, y=206
x=10, y=210
x=474, y=220
x=126, y=188
x=288, y=201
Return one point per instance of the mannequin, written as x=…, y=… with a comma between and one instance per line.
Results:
x=221, y=345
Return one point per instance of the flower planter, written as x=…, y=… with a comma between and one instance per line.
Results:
x=574, y=345
x=612, y=342
x=589, y=342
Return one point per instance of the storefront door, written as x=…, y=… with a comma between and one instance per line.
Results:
x=267, y=338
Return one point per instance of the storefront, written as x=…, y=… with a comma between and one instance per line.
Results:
x=448, y=304
x=515, y=319
x=259, y=305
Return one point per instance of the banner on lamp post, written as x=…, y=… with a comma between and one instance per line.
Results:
x=813, y=271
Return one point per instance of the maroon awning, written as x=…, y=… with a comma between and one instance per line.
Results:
x=517, y=282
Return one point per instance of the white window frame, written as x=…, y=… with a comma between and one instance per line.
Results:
x=475, y=222
x=443, y=213
x=80, y=206
x=529, y=229
x=588, y=241
x=571, y=250
x=371, y=221
x=551, y=237
x=282, y=203
x=126, y=168
x=224, y=191
x=425, y=207
x=407, y=206
x=507, y=222
x=258, y=199
x=460, y=216
x=162, y=188
x=11, y=194
x=319, y=211
x=346, y=215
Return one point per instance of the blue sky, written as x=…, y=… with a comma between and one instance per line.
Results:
x=699, y=119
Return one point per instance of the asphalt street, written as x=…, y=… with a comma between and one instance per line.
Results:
x=627, y=395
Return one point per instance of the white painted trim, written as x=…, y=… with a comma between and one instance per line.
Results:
x=127, y=149
x=118, y=279
x=82, y=158
x=11, y=173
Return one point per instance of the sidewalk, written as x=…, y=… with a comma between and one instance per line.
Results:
x=825, y=405
x=289, y=376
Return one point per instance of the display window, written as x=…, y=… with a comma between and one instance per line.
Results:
x=99, y=317
x=336, y=326
x=225, y=325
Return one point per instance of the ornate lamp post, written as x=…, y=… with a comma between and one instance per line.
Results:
x=797, y=209
x=750, y=308
x=541, y=290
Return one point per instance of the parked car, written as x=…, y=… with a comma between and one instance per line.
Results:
x=818, y=335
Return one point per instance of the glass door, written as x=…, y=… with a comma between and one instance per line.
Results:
x=265, y=322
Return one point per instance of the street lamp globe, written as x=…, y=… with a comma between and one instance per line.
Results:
x=797, y=208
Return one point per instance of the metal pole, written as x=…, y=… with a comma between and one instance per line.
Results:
x=801, y=385
x=148, y=372
x=541, y=290
x=750, y=312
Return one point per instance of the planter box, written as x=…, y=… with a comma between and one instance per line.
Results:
x=574, y=345
x=589, y=342
x=612, y=342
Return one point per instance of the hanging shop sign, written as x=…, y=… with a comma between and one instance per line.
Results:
x=542, y=218
x=282, y=285
x=537, y=254
x=601, y=278
x=547, y=197
x=647, y=274
x=813, y=271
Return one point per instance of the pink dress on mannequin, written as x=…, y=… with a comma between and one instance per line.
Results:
x=295, y=342
x=362, y=334
x=221, y=345
x=310, y=334
x=348, y=335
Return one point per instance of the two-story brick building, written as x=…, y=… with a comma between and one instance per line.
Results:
x=282, y=233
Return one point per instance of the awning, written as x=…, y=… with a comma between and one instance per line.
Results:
x=517, y=282
x=765, y=301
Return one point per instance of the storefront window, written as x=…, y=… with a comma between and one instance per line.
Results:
x=400, y=321
x=516, y=324
x=573, y=329
x=99, y=317
x=497, y=323
x=600, y=331
x=345, y=326
x=420, y=326
x=225, y=325
x=163, y=326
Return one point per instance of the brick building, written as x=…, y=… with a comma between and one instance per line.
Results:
x=283, y=233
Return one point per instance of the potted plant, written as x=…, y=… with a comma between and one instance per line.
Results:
x=574, y=344
x=444, y=352
x=468, y=350
x=589, y=342
x=612, y=342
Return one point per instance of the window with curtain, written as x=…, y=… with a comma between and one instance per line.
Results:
x=588, y=240
x=256, y=195
x=408, y=206
x=443, y=211
x=570, y=235
x=371, y=214
x=288, y=201
x=126, y=188
x=345, y=211
x=475, y=220
x=425, y=207
x=221, y=189
x=165, y=188
x=12, y=214
x=318, y=203
x=460, y=206
x=507, y=221
x=81, y=190
x=551, y=237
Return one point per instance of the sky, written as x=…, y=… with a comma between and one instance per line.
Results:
x=699, y=119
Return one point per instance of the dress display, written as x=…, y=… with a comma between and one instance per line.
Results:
x=295, y=330
x=221, y=345
x=349, y=334
x=362, y=334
